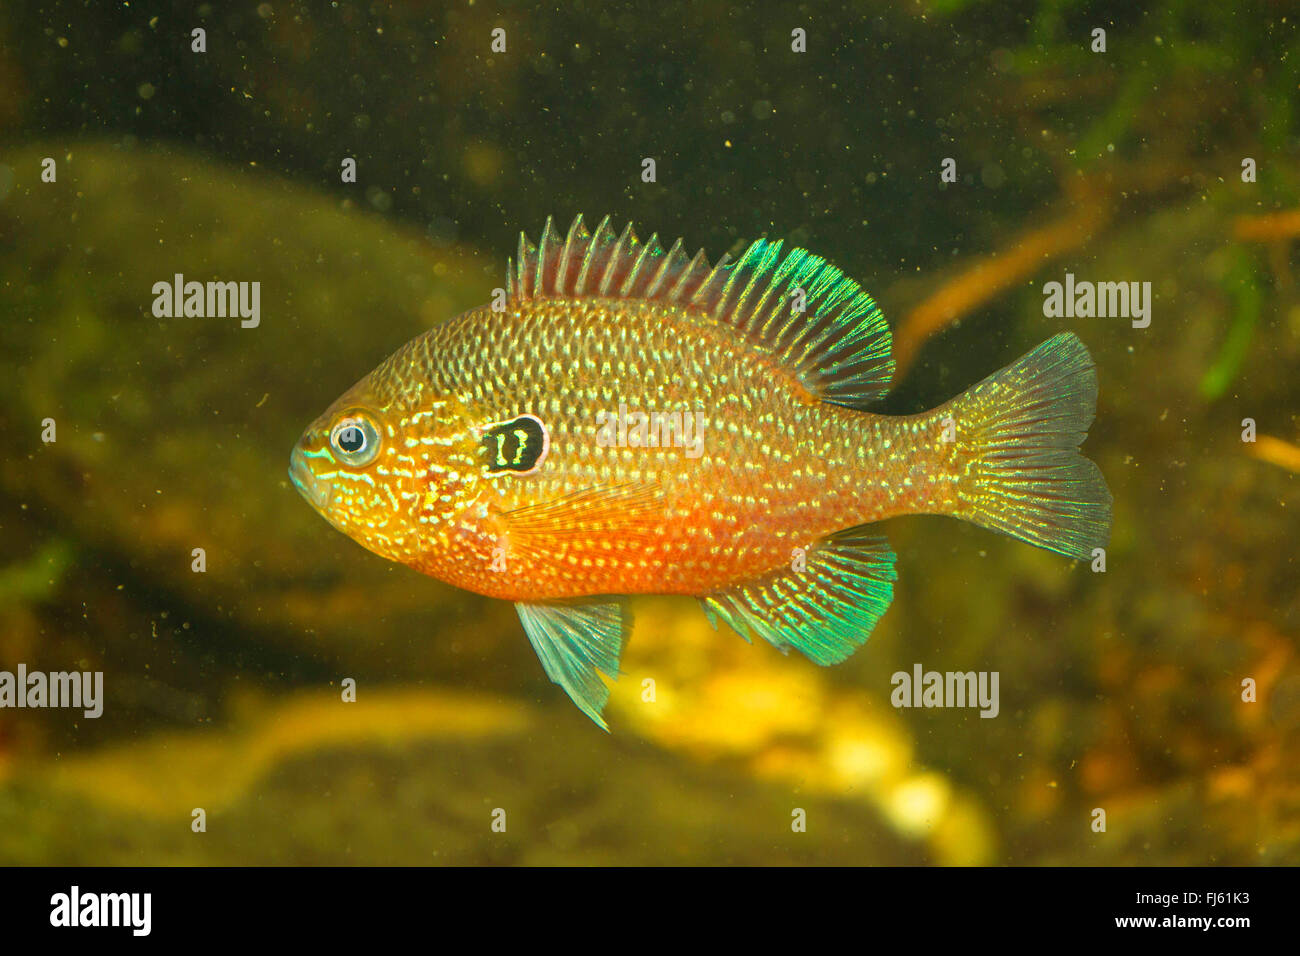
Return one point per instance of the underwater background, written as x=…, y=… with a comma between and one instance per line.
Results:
x=1121, y=690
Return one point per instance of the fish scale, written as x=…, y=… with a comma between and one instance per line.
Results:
x=753, y=409
x=484, y=452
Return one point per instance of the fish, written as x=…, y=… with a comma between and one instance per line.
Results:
x=623, y=420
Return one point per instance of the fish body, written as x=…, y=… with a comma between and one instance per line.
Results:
x=634, y=421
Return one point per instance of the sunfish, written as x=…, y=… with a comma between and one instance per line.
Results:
x=625, y=420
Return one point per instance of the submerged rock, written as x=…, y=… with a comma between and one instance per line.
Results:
x=173, y=434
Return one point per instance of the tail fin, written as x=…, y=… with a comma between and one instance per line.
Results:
x=1028, y=479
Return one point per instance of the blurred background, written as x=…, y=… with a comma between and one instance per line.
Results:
x=1119, y=690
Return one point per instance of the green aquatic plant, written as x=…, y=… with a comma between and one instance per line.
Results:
x=37, y=578
x=1241, y=283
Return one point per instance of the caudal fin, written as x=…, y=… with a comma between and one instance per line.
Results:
x=1028, y=478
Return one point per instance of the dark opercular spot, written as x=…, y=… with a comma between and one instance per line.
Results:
x=516, y=446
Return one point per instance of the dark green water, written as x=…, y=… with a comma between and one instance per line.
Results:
x=1120, y=691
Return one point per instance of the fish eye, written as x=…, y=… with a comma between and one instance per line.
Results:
x=355, y=440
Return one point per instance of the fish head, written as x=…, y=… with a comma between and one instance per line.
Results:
x=387, y=461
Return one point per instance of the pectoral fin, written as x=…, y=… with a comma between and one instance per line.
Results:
x=826, y=610
x=624, y=518
x=634, y=507
x=577, y=642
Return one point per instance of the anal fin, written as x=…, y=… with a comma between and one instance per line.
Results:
x=826, y=610
x=577, y=641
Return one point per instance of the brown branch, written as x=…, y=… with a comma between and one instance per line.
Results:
x=989, y=276
x=1276, y=452
x=1272, y=227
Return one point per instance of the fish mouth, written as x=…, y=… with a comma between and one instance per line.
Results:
x=315, y=491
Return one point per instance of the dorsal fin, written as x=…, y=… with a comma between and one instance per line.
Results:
x=602, y=265
x=838, y=345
